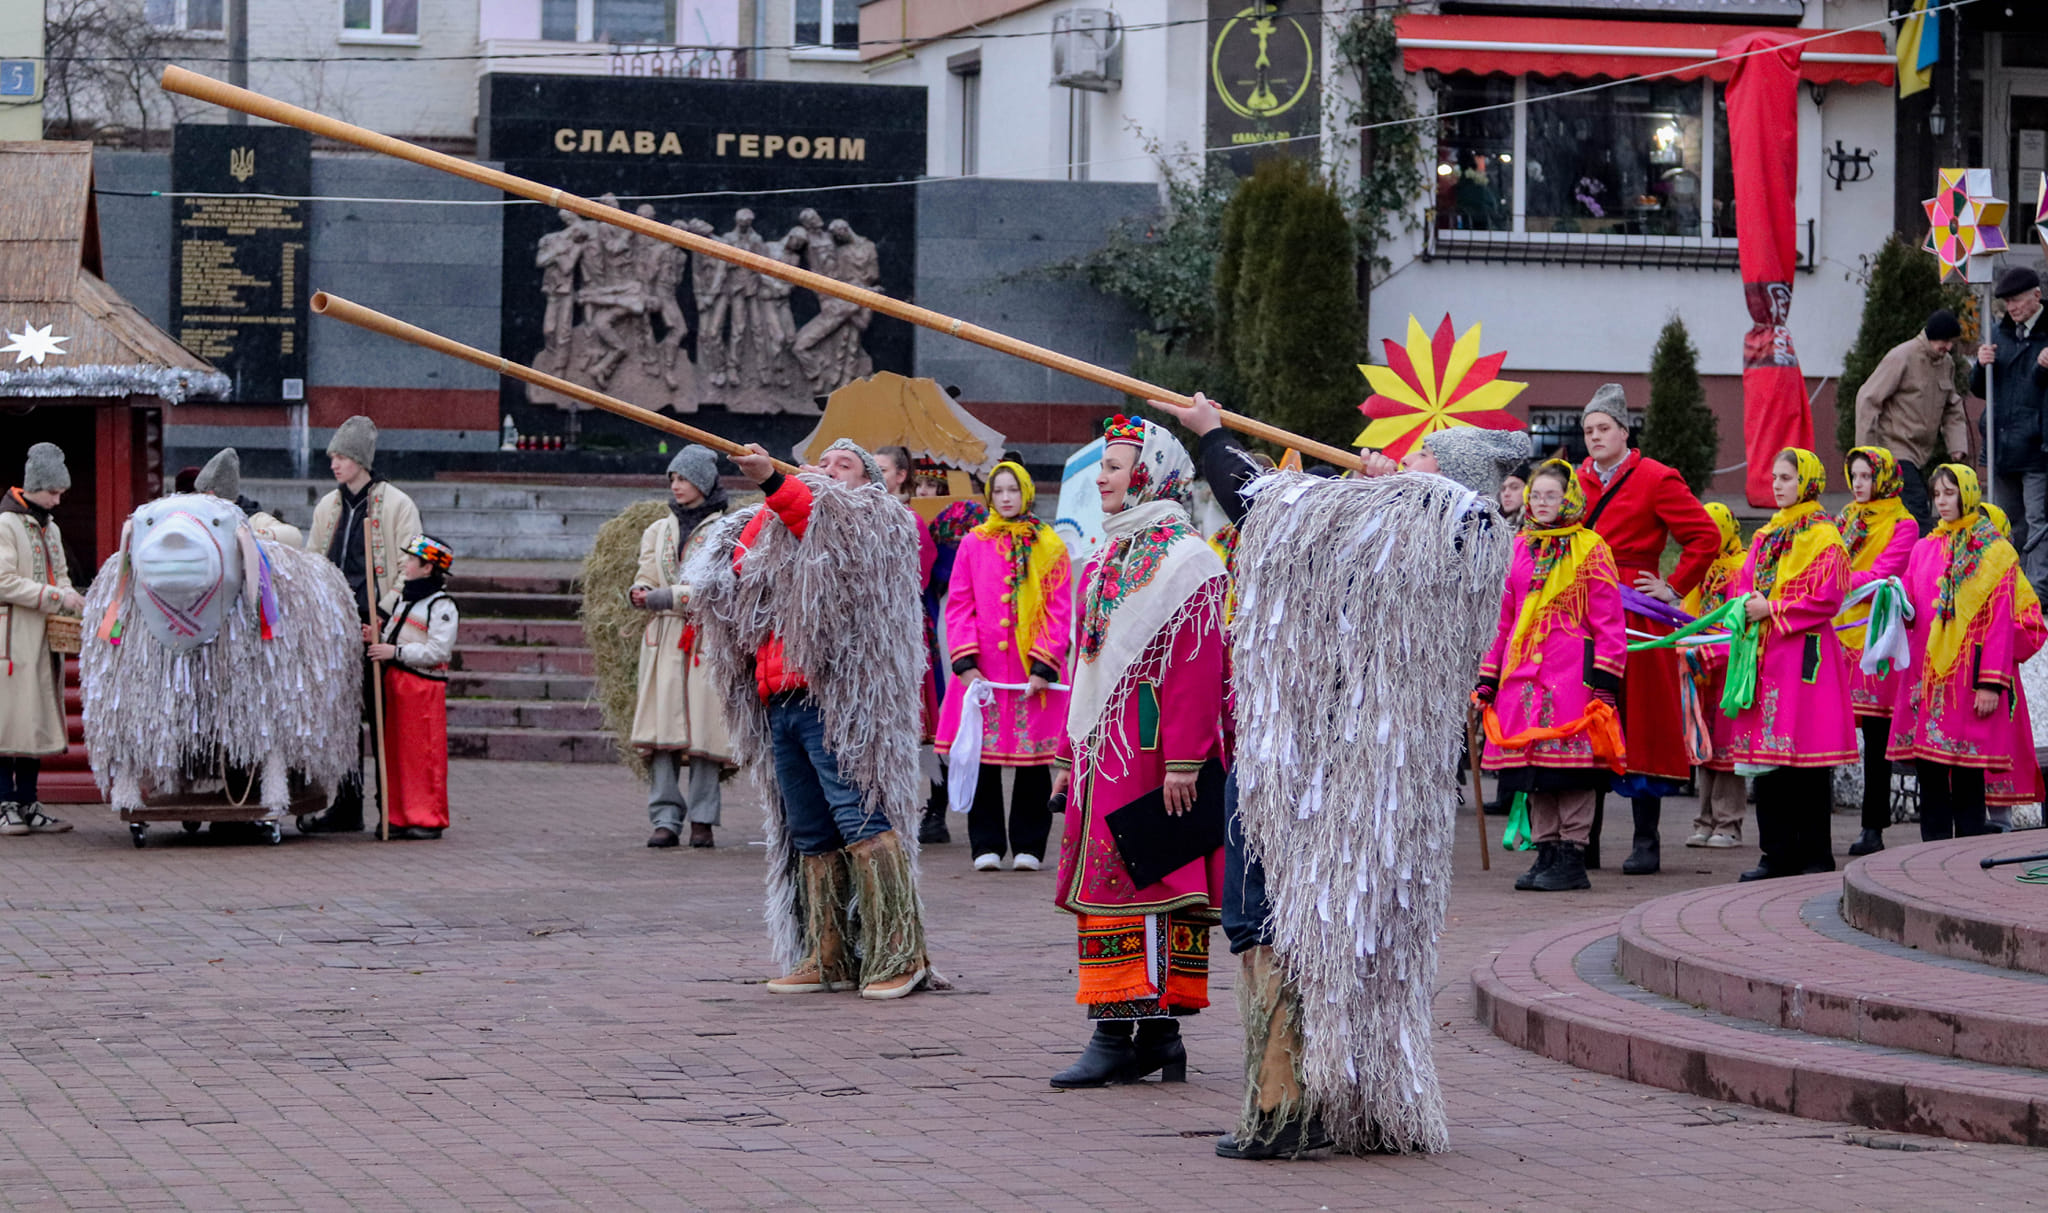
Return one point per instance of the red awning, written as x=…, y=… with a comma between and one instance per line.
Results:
x=1544, y=46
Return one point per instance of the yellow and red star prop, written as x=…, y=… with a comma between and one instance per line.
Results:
x=1434, y=383
x=1965, y=224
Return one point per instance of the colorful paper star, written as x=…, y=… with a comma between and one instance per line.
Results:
x=2041, y=211
x=1965, y=224
x=36, y=343
x=1432, y=384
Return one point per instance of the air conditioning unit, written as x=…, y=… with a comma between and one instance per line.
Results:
x=1088, y=50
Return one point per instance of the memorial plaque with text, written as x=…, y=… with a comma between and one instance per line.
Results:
x=238, y=262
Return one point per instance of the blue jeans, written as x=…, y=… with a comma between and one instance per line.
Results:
x=823, y=812
x=1247, y=913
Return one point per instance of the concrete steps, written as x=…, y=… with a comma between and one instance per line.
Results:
x=485, y=521
x=1773, y=994
x=520, y=685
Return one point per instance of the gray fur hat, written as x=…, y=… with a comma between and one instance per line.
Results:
x=356, y=439
x=867, y=460
x=1611, y=400
x=222, y=475
x=45, y=472
x=696, y=464
x=1478, y=459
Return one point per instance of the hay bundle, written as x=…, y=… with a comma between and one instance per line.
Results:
x=613, y=626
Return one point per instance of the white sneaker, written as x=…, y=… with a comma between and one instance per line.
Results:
x=1698, y=839
x=11, y=821
x=39, y=822
x=1724, y=841
x=988, y=863
x=1024, y=863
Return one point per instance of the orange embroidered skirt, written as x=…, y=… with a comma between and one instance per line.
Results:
x=1120, y=968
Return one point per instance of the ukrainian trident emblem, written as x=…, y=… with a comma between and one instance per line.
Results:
x=242, y=163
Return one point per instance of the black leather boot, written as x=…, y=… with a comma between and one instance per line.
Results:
x=1159, y=1050
x=1546, y=855
x=1109, y=1057
x=1869, y=842
x=344, y=816
x=1291, y=1140
x=1565, y=875
x=1644, y=859
x=931, y=828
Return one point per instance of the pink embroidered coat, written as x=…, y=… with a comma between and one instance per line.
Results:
x=1800, y=716
x=1017, y=730
x=1552, y=683
x=2022, y=783
x=1940, y=723
x=1871, y=694
x=1173, y=720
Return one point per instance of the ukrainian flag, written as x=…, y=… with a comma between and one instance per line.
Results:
x=1919, y=48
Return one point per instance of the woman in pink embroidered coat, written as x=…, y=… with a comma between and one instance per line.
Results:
x=1954, y=712
x=1145, y=716
x=2021, y=783
x=1880, y=534
x=1798, y=726
x=1554, y=668
x=1009, y=616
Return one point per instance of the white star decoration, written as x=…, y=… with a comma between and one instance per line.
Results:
x=34, y=343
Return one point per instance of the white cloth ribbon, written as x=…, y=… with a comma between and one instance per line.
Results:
x=963, y=760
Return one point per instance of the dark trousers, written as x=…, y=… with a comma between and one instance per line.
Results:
x=1792, y=807
x=18, y=776
x=1914, y=493
x=1877, y=772
x=1030, y=812
x=1951, y=801
x=1247, y=914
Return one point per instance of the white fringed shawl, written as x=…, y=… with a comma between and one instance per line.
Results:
x=1363, y=609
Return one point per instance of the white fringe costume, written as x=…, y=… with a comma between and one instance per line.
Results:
x=844, y=600
x=1363, y=608
x=164, y=717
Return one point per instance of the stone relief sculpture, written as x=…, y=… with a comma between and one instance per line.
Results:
x=654, y=324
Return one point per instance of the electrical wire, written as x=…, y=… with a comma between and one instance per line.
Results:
x=1066, y=166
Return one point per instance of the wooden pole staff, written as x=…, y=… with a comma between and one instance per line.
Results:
x=375, y=321
x=205, y=88
x=376, y=685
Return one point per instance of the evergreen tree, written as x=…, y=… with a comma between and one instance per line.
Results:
x=1904, y=289
x=1678, y=427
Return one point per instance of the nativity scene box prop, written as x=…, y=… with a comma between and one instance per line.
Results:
x=886, y=409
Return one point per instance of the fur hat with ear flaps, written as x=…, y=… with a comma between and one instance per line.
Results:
x=357, y=440
x=222, y=476
x=45, y=472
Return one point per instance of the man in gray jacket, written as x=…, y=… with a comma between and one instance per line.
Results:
x=1910, y=406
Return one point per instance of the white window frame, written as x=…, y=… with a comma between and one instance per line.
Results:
x=375, y=35
x=179, y=27
x=1519, y=227
x=827, y=9
x=965, y=70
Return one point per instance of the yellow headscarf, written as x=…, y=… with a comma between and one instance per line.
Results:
x=1978, y=560
x=1797, y=535
x=1711, y=591
x=1868, y=526
x=1037, y=557
x=1566, y=555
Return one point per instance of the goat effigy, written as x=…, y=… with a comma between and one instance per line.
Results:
x=215, y=657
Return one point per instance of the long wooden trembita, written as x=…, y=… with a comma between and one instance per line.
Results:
x=205, y=88
x=375, y=321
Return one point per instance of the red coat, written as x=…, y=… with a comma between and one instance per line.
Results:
x=791, y=502
x=1651, y=507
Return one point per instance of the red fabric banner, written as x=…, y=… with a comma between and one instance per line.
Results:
x=1763, y=139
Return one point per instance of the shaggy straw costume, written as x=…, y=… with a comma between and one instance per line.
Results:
x=844, y=602
x=1363, y=607
x=290, y=702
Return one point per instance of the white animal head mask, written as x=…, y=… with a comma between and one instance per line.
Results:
x=189, y=554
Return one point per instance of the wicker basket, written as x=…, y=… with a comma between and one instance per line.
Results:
x=60, y=632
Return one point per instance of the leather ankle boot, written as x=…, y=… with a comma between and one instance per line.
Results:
x=1565, y=875
x=1645, y=858
x=1107, y=1059
x=1159, y=1050
x=1546, y=855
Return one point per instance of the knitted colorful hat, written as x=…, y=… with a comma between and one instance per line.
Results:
x=1120, y=428
x=431, y=550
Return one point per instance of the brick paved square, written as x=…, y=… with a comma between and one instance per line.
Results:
x=538, y=1012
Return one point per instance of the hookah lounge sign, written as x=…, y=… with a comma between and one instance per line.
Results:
x=1264, y=56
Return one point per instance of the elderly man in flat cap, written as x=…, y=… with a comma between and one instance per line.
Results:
x=1910, y=407
x=2016, y=362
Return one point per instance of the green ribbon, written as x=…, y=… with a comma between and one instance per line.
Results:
x=1518, y=836
x=1742, y=637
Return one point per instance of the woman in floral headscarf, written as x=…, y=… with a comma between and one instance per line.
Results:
x=2020, y=784
x=1144, y=718
x=1880, y=535
x=1724, y=795
x=1953, y=711
x=1549, y=682
x=1798, y=726
x=1009, y=615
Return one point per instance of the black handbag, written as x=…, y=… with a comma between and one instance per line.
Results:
x=1153, y=844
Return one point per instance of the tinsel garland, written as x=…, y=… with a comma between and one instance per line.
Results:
x=1363, y=609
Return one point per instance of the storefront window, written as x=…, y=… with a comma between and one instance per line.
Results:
x=1621, y=161
x=1475, y=175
